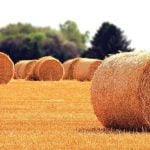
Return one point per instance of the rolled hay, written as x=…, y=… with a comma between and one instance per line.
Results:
x=26, y=68
x=66, y=65
x=69, y=67
x=6, y=68
x=17, y=65
x=120, y=91
x=18, y=69
x=84, y=69
x=48, y=68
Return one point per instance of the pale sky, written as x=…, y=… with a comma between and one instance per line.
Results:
x=132, y=16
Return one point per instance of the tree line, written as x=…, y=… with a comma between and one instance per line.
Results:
x=24, y=41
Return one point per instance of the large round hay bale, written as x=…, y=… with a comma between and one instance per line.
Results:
x=6, y=68
x=48, y=68
x=69, y=67
x=120, y=91
x=84, y=69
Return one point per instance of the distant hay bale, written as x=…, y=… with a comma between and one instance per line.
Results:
x=17, y=65
x=69, y=67
x=66, y=65
x=48, y=68
x=84, y=69
x=120, y=91
x=6, y=68
x=36, y=74
x=21, y=69
x=18, y=69
x=26, y=68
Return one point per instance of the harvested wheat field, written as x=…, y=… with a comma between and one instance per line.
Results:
x=54, y=115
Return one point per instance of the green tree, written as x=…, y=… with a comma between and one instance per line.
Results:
x=24, y=41
x=72, y=33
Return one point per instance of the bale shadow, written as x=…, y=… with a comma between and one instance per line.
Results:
x=108, y=131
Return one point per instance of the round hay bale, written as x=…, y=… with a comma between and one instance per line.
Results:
x=66, y=65
x=69, y=67
x=84, y=69
x=19, y=69
x=36, y=75
x=27, y=67
x=48, y=68
x=6, y=68
x=120, y=91
x=17, y=65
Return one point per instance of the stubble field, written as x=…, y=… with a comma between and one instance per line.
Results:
x=57, y=115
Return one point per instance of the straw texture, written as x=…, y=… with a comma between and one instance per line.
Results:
x=120, y=91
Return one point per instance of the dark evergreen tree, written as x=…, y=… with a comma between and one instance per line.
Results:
x=109, y=39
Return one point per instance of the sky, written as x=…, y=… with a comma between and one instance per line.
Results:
x=132, y=16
